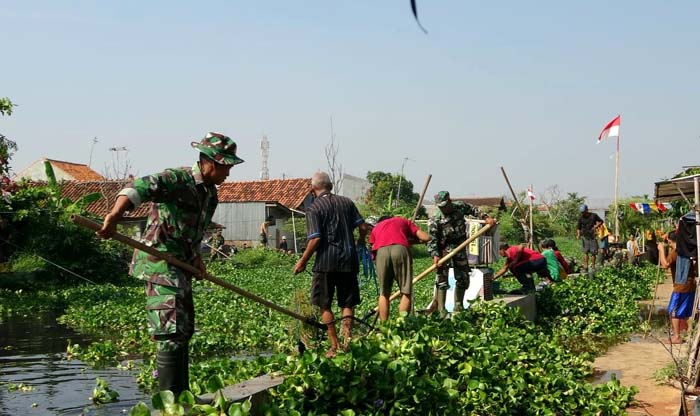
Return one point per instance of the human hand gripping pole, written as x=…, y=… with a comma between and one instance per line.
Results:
x=87, y=223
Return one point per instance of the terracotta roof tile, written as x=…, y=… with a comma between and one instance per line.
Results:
x=78, y=171
x=289, y=192
x=74, y=190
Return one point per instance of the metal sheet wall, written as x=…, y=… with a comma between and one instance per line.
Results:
x=241, y=219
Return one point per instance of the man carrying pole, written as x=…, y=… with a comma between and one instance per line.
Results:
x=447, y=229
x=185, y=200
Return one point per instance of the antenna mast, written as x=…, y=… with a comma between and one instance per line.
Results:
x=265, y=154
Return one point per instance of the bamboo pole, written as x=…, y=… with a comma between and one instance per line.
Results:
x=532, y=230
x=617, y=175
x=653, y=300
x=692, y=355
x=442, y=261
x=422, y=195
x=512, y=192
x=87, y=223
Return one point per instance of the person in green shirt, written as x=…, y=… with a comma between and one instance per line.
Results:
x=553, y=265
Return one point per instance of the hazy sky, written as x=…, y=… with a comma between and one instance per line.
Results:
x=525, y=85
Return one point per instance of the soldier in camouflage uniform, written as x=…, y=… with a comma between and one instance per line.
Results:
x=448, y=229
x=185, y=200
x=217, y=244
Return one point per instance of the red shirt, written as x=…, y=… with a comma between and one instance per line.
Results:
x=525, y=256
x=563, y=262
x=395, y=230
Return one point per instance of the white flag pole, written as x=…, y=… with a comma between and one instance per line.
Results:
x=617, y=175
x=532, y=231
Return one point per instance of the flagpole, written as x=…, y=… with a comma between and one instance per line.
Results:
x=532, y=231
x=617, y=175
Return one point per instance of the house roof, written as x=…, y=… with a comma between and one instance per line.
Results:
x=288, y=192
x=78, y=171
x=488, y=201
x=74, y=190
x=675, y=189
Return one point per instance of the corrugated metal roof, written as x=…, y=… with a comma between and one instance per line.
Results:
x=288, y=192
x=74, y=190
x=674, y=189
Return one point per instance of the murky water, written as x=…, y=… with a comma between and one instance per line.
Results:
x=32, y=351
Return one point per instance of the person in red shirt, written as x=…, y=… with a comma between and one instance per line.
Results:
x=522, y=262
x=390, y=240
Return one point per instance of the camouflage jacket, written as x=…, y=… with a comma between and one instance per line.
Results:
x=183, y=209
x=217, y=241
x=449, y=230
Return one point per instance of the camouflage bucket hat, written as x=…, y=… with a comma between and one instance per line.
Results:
x=442, y=198
x=219, y=148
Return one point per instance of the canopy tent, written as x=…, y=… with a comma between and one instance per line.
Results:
x=675, y=189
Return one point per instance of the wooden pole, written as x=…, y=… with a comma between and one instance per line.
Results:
x=512, y=192
x=84, y=222
x=653, y=300
x=413, y=219
x=692, y=356
x=422, y=195
x=617, y=175
x=442, y=261
x=532, y=230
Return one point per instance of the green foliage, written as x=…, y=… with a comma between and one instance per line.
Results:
x=568, y=212
x=586, y=313
x=6, y=106
x=102, y=393
x=381, y=197
x=7, y=146
x=40, y=226
x=488, y=360
x=258, y=257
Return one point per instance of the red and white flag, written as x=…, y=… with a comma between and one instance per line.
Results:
x=611, y=129
x=530, y=194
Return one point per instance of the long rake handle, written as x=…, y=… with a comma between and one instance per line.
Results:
x=87, y=223
x=442, y=261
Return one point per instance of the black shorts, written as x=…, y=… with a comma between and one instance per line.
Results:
x=326, y=284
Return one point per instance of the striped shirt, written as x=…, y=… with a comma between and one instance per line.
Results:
x=332, y=218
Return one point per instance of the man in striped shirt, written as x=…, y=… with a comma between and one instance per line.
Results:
x=330, y=223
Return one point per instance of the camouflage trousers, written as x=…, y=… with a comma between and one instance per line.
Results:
x=460, y=264
x=170, y=313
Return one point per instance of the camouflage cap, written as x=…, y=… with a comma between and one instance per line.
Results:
x=219, y=148
x=442, y=198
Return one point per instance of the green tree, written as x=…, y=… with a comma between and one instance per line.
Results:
x=7, y=146
x=568, y=212
x=382, y=197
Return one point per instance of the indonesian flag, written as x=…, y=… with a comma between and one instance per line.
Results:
x=530, y=194
x=611, y=129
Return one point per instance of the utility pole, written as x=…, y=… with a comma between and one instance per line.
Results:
x=265, y=154
x=398, y=191
x=117, y=166
x=94, y=140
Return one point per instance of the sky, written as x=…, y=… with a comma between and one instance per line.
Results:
x=523, y=85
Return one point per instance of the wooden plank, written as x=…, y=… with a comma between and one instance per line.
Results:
x=245, y=389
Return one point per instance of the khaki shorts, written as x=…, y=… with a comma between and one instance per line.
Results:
x=394, y=264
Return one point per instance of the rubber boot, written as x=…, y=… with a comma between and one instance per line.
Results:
x=459, y=299
x=441, y=301
x=173, y=367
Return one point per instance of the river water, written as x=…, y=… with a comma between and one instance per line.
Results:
x=32, y=351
